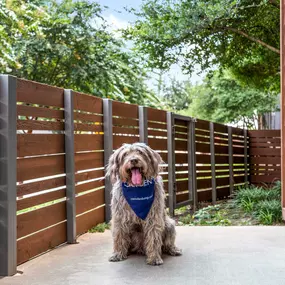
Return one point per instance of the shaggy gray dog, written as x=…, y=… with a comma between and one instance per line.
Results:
x=133, y=164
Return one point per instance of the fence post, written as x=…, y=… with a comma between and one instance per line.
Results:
x=189, y=160
x=245, y=156
x=213, y=166
x=8, y=179
x=192, y=163
x=108, y=150
x=143, y=124
x=230, y=143
x=70, y=165
x=171, y=163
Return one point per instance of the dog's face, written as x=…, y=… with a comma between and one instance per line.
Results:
x=133, y=163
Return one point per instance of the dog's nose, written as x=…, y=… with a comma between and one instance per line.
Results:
x=134, y=161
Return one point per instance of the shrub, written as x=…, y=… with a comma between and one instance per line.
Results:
x=269, y=212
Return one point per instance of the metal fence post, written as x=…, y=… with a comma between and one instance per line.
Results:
x=8, y=179
x=108, y=150
x=193, y=163
x=143, y=124
x=171, y=163
x=213, y=166
x=70, y=165
x=245, y=156
x=230, y=143
x=189, y=159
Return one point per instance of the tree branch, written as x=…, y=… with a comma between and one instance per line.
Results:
x=253, y=39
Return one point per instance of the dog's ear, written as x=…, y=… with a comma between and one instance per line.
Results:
x=113, y=167
x=156, y=161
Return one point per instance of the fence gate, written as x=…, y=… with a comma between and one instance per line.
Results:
x=182, y=183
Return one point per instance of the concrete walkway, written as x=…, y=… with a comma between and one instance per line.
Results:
x=212, y=255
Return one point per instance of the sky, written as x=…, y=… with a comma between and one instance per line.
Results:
x=119, y=18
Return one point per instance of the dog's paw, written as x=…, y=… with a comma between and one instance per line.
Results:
x=155, y=261
x=117, y=257
x=175, y=252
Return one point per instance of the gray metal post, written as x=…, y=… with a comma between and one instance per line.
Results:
x=189, y=159
x=245, y=156
x=213, y=166
x=108, y=150
x=193, y=163
x=143, y=124
x=8, y=179
x=171, y=163
x=230, y=143
x=70, y=165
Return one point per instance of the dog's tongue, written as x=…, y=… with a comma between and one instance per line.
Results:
x=136, y=176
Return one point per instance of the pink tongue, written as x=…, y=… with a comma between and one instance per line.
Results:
x=136, y=176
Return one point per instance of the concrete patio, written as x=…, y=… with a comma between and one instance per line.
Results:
x=212, y=255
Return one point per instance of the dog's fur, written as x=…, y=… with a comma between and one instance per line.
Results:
x=155, y=234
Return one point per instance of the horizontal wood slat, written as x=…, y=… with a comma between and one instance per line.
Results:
x=89, y=201
x=125, y=110
x=84, y=117
x=201, y=124
x=41, y=242
x=36, y=167
x=36, y=220
x=30, y=188
x=39, y=125
x=265, y=160
x=125, y=122
x=157, y=144
x=87, y=221
x=89, y=186
x=89, y=160
x=88, y=142
x=264, y=133
x=156, y=115
x=79, y=177
x=124, y=130
x=118, y=141
x=39, y=144
x=157, y=133
x=88, y=128
x=40, y=199
x=88, y=103
x=39, y=112
x=37, y=93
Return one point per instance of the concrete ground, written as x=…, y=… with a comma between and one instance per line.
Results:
x=211, y=255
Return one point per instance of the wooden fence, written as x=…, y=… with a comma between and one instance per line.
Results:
x=265, y=156
x=63, y=142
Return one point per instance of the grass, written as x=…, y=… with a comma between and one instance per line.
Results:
x=100, y=228
x=249, y=206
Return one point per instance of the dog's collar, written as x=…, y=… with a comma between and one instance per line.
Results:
x=140, y=198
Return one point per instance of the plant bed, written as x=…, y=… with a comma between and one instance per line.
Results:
x=248, y=206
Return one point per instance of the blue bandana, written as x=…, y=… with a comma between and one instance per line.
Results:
x=140, y=198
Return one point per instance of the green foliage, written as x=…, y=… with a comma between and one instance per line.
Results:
x=242, y=36
x=100, y=228
x=221, y=98
x=68, y=44
x=177, y=95
x=269, y=212
x=261, y=202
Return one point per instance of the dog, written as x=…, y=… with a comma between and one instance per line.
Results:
x=148, y=232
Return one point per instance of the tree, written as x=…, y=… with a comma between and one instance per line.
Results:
x=176, y=95
x=242, y=36
x=67, y=43
x=222, y=99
